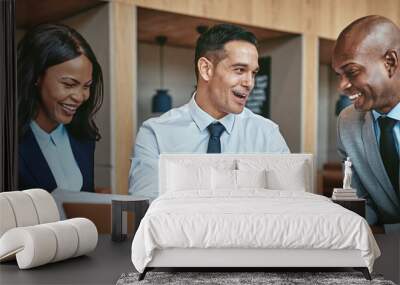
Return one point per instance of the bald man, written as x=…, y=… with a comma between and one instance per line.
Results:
x=366, y=59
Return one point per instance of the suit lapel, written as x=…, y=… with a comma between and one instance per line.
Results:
x=374, y=157
x=36, y=163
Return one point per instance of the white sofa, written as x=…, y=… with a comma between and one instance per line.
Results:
x=31, y=231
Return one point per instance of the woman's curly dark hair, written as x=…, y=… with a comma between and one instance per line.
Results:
x=42, y=47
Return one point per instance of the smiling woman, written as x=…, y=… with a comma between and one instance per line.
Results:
x=60, y=88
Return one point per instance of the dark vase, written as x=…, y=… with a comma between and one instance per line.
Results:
x=162, y=101
x=342, y=103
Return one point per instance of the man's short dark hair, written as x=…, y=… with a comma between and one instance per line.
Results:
x=213, y=40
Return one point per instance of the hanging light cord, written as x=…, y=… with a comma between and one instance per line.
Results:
x=162, y=66
x=161, y=40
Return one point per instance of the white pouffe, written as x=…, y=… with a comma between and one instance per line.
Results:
x=87, y=235
x=33, y=246
x=67, y=240
x=23, y=208
x=45, y=205
x=7, y=218
x=37, y=245
x=31, y=233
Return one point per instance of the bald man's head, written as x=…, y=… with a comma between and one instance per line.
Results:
x=365, y=57
x=369, y=34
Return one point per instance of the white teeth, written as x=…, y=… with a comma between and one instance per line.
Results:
x=355, y=96
x=239, y=95
x=69, y=108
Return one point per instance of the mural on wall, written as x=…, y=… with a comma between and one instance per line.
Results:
x=259, y=100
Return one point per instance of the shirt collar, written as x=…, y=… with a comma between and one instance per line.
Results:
x=58, y=135
x=394, y=113
x=44, y=138
x=202, y=119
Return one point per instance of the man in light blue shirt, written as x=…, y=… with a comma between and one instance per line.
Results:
x=215, y=120
x=366, y=58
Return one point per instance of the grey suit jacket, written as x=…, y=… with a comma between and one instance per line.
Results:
x=356, y=139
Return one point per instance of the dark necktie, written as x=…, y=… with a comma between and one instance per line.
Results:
x=388, y=150
x=214, y=144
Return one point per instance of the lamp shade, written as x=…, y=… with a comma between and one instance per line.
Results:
x=162, y=101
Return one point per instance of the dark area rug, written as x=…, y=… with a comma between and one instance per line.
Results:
x=243, y=278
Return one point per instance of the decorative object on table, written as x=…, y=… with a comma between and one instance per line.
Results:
x=348, y=173
x=31, y=231
x=162, y=101
x=345, y=193
x=244, y=278
x=136, y=205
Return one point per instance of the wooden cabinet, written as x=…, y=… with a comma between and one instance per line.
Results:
x=357, y=206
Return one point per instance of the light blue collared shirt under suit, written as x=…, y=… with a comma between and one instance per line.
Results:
x=394, y=114
x=184, y=130
x=57, y=151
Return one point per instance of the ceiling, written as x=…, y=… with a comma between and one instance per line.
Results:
x=30, y=13
x=181, y=29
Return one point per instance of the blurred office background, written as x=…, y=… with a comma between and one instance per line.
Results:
x=296, y=38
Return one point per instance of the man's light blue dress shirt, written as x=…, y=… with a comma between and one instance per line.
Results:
x=57, y=151
x=394, y=114
x=184, y=130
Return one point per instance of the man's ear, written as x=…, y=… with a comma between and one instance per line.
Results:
x=391, y=62
x=205, y=68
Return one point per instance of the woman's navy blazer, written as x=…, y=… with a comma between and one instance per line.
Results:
x=34, y=172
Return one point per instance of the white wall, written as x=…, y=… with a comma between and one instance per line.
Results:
x=179, y=76
x=286, y=87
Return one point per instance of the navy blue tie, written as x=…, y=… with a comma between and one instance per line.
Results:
x=388, y=150
x=214, y=144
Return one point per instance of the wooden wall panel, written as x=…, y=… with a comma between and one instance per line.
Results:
x=282, y=15
x=345, y=14
x=325, y=18
x=389, y=8
x=181, y=29
x=123, y=62
x=310, y=94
